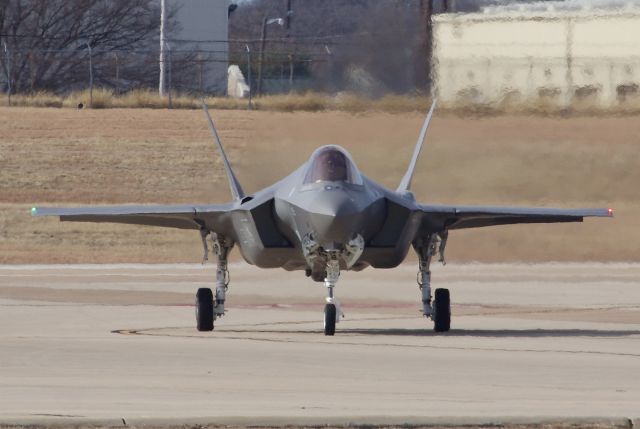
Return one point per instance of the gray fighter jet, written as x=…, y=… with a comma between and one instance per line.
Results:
x=323, y=218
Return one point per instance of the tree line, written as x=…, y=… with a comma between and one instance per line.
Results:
x=45, y=44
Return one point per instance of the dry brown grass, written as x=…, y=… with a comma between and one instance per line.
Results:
x=315, y=102
x=38, y=99
x=75, y=157
x=309, y=101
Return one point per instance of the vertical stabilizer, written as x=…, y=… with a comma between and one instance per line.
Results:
x=234, y=185
x=405, y=184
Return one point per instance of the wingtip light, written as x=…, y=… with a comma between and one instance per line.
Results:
x=610, y=212
x=34, y=210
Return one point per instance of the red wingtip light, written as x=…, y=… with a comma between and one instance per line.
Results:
x=610, y=212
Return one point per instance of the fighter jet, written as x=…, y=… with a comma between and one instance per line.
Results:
x=324, y=218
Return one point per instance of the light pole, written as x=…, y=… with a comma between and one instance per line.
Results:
x=266, y=21
x=163, y=42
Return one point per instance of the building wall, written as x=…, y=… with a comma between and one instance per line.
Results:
x=560, y=58
x=200, y=43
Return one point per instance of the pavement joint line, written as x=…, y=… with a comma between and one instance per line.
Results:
x=318, y=421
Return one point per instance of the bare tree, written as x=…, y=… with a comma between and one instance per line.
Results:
x=48, y=40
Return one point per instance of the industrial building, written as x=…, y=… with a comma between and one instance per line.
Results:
x=200, y=41
x=554, y=52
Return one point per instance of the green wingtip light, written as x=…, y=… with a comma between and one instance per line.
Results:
x=34, y=210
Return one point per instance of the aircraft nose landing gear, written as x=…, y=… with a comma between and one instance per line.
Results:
x=332, y=311
x=317, y=256
x=330, y=314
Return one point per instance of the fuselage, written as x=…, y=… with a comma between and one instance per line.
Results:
x=327, y=206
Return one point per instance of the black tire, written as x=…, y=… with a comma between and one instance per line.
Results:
x=204, y=309
x=442, y=311
x=329, y=319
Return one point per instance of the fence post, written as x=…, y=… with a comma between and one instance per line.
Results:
x=8, y=61
x=90, y=75
x=331, y=86
x=169, y=76
x=249, y=75
x=117, y=89
x=290, y=72
x=200, y=74
x=261, y=57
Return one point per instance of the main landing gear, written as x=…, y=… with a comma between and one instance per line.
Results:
x=440, y=310
x=208, y=306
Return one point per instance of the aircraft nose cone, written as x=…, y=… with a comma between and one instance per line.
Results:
x=334, y=218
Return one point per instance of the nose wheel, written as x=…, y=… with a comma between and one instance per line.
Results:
x=330, y=312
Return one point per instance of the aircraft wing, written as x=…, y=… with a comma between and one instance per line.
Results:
x=438, y=217
x=172, y=216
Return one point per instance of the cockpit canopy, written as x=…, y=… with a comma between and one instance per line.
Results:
x=332, y=164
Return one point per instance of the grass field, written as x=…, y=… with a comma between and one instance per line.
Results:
x=77, y=157
x=316, y=101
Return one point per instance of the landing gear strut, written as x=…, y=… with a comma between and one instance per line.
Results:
x=440, y=310
x=208, y=306
x=332, y=311
x=317, y=257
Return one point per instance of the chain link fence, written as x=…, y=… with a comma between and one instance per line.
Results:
x=188, y=71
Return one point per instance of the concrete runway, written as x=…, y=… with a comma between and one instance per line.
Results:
x=118, y=342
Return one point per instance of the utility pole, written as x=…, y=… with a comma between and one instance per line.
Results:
x=163, y=43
